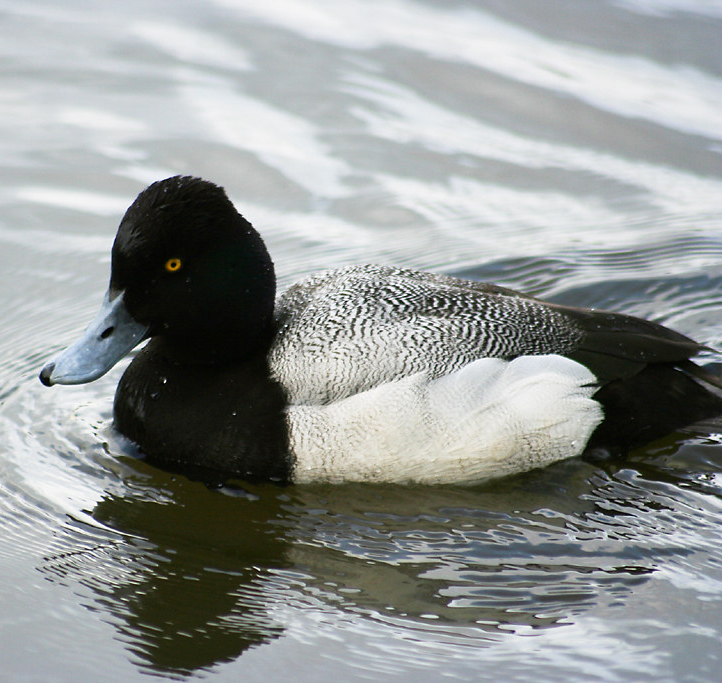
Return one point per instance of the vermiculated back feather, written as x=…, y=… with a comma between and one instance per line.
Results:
x=351, y=329
x=348, y=330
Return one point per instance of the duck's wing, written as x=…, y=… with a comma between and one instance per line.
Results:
x=613, y=345
x=346, y=331
x=352, y=329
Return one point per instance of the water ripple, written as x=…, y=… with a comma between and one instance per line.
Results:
x=571, y=151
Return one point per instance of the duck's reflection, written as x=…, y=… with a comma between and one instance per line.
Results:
x=196, y=577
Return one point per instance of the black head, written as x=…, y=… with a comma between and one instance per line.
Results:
x=193, y=270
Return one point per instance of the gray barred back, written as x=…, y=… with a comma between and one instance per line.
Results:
x=348, y=330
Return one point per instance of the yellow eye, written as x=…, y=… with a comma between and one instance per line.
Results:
x=173, y=265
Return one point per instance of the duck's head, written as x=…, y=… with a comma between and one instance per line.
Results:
x=186, y=267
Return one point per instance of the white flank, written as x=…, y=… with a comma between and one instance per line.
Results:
x=489, y=419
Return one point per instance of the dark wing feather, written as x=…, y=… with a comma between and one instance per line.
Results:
x=615, y=346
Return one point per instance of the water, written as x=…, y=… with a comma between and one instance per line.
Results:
x=569, y=149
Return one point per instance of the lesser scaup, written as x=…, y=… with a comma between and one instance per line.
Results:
x=364, y=373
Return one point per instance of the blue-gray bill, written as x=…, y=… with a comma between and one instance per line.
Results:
x=110, y=337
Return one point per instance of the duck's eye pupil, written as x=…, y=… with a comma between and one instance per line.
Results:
x=173, y=264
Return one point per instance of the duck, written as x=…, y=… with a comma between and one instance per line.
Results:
x=364, y=373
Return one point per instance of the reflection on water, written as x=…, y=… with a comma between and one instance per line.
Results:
x=192, y=578
x=568, y=149
x=174, y=611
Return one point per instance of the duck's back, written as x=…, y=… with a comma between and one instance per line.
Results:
x=349, y=330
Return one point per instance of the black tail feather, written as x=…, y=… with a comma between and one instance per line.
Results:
x=656, y=401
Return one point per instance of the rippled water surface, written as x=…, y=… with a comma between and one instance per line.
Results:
x=568, y=148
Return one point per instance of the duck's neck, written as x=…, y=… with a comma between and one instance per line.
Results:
x=200, y=350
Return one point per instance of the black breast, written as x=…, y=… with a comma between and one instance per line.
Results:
x=227, y=419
